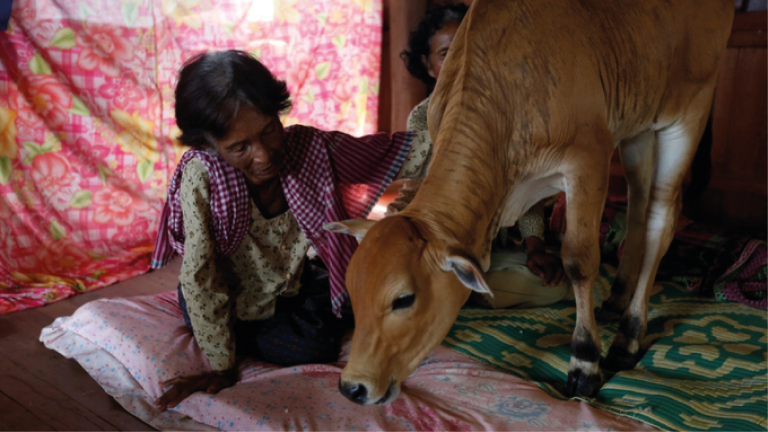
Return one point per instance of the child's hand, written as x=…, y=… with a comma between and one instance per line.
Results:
x=548, y=267
x=182, y=387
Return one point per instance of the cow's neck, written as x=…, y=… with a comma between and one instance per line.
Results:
x=463, y=200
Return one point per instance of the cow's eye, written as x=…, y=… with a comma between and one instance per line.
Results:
x=404, y=301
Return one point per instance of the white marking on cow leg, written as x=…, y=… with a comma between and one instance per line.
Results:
x=589, y=368
x=637, y=159
x=675, y=148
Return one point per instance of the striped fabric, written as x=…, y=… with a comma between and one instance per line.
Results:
x=327, y=177
x=332, y=176
x=230, y=209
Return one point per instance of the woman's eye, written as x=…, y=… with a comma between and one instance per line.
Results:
x=403, y=302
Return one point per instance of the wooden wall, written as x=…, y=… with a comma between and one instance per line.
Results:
x=400, y=92
x=737, y=190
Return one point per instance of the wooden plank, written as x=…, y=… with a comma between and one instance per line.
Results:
x=747, y=39
x=22, y=325
x=748, y=118
x=15, y=417
x=42, y=390
x=19, y=344
x=744, y=212
x=721, y=109
x=711, y=207
x=66, y=376
x=750, y=21
x=44, y=401
x=741, y=185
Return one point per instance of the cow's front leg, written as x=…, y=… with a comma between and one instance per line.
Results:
x=586, y=190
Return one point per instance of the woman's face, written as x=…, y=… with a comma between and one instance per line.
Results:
x=254, y=145
x=438, y=48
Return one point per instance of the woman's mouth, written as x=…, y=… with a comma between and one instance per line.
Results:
x=264, y=173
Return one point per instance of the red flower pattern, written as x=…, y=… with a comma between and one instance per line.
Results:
x=125, y=59
x=104, y=47
x=117, y=203
x=53, y=176
x=45, y=97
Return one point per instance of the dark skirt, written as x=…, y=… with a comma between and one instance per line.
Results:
x=303, y=329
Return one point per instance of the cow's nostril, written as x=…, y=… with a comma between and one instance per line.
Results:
x=357, y=393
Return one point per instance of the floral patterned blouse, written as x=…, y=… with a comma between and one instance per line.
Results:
x=530, y=224
x=268, y=263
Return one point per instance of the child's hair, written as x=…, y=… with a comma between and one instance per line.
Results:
x=212, y=86
x=418, y=42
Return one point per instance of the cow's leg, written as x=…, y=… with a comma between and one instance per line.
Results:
x=638, y=163
x=586, y=188
x=675, y=148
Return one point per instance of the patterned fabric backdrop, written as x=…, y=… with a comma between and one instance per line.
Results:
x=86, y=118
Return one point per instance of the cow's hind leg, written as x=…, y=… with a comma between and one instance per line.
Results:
x=675, y=148
x=638, y=163
x=586, y=188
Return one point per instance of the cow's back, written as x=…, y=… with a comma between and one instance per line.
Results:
x=522, y=69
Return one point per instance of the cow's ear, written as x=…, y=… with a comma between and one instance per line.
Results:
x=467, y=271
x=354, y=227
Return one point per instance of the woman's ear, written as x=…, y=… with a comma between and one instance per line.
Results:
x=210, y=144
x=428, y=65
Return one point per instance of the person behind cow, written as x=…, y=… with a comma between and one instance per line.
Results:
x=511, y=275
x=244, y=206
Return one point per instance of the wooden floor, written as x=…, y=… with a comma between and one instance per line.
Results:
x=40, y=389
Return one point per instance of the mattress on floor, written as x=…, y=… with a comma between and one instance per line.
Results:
x=131, y=345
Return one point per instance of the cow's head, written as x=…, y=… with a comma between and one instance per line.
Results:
x=407, y=283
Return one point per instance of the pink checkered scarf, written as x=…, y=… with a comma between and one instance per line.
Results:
x=230, y=209
x=327, y=177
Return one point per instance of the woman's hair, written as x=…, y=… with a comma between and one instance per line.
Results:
x=212, y=87
x=418, y=42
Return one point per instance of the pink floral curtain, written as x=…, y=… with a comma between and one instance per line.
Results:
x=86, y=118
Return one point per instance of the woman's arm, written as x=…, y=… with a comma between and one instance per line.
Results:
x=416, y=164
x=205, y=292
x=204, y=287
x=549, y=267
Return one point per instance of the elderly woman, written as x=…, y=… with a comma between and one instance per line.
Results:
x=244, y=206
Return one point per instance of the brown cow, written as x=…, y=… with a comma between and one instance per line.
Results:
x=532, y=100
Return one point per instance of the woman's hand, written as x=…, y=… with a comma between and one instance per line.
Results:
x=182, y=387
x=547, y=266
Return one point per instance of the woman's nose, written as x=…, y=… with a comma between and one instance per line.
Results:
x=262, y=155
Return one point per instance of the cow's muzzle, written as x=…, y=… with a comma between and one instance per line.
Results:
x=358, y=393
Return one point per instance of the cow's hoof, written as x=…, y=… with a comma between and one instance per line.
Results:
x=582, y=385
x=619, y=359
x=612, y=310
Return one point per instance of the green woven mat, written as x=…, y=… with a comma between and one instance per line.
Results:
x=705, y=368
